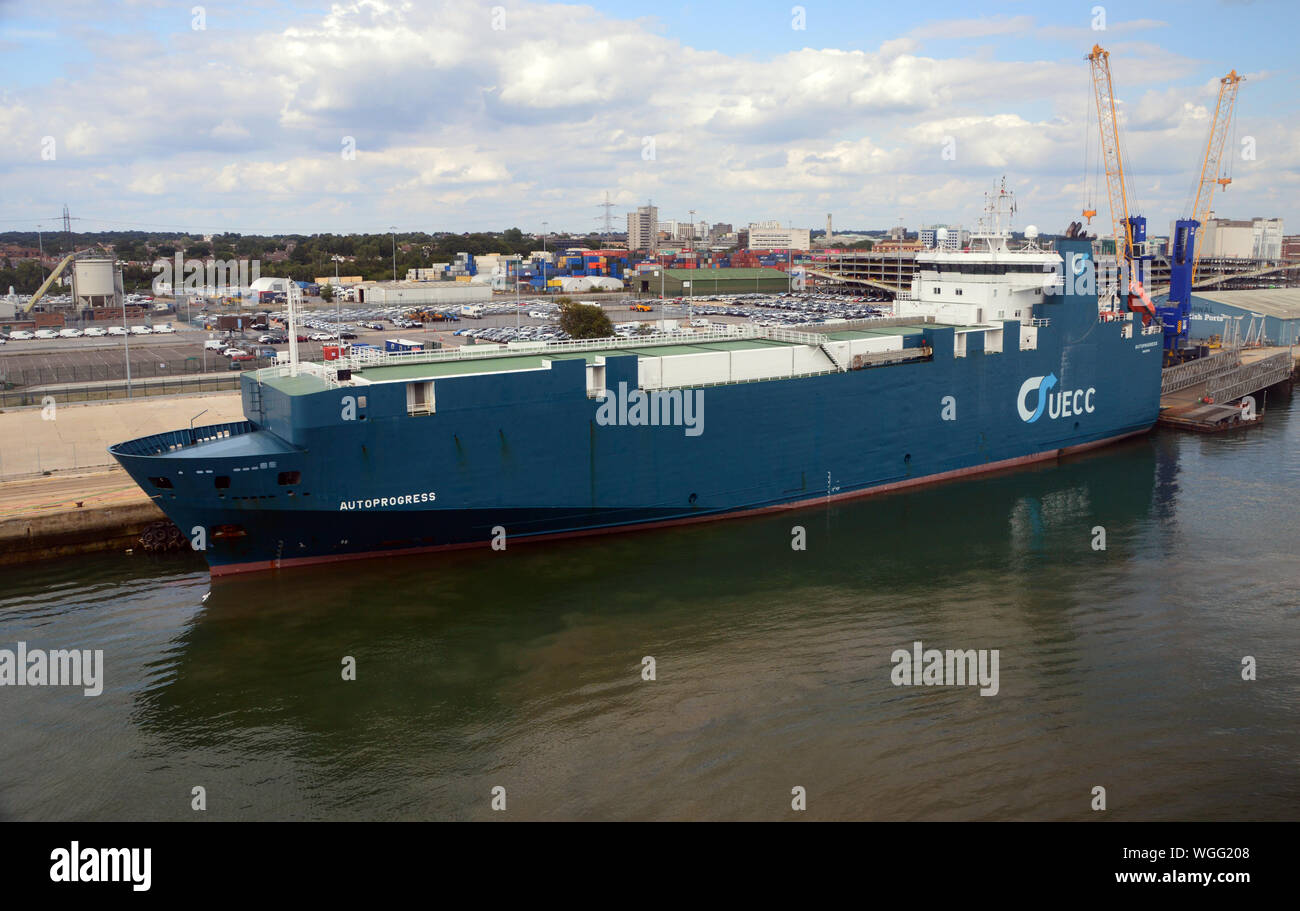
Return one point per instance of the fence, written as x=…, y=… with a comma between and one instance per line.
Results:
x=1197, y=371
x=96, y=392
x=1250, y=378
x=44, y=374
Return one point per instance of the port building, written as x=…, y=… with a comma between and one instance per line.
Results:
x=1271, y=315
x=673, y=282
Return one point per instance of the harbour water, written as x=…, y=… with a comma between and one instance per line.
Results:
x=523, y=669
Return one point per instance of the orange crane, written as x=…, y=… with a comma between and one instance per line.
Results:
x=1184, y=246
x=1210, y=166
x=1129, y=231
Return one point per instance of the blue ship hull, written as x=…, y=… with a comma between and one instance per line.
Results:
x=522, y=454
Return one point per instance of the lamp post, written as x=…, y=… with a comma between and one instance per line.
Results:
x=393, y=229
x=544, y=285
x=338, y=314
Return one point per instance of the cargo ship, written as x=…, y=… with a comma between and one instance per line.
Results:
x=997, y=357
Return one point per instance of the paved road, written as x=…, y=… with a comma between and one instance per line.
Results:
x=60, y=493
x=78, y=436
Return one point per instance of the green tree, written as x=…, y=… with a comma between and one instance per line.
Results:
x=327, y=293
x=583, y=320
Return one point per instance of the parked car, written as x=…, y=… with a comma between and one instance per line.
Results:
x=347, y=335
x=241, y=356
x=233, y=352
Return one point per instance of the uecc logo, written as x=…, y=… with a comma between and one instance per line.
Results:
x=1062, y=404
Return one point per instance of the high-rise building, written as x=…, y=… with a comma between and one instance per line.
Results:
x=643, y=228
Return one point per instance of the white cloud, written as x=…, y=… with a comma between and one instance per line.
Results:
x=460, y=126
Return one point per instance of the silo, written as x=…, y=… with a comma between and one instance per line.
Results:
x=94, y=282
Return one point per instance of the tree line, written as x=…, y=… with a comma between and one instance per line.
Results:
x=308, y=255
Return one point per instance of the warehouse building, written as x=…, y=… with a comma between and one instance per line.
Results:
x=403, y=294
x=673, y=282
x=1274, y=311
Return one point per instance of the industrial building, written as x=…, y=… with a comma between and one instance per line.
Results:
x=673, y=282
x=1225, y=238
x=413, y=294
x=1246, y=315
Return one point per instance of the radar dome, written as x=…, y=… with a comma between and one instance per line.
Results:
x=941, y=234
x=1031, y=231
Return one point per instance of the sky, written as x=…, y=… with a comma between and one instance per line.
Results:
x=278, y=116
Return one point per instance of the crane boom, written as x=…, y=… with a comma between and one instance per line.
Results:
x=1114, y=161
x=45, y=286
x=1223, y=111
x=1130, y=231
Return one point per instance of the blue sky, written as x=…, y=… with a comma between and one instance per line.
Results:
x=463, y=122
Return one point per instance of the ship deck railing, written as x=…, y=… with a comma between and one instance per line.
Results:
x=172, y=440
x=367, y=358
